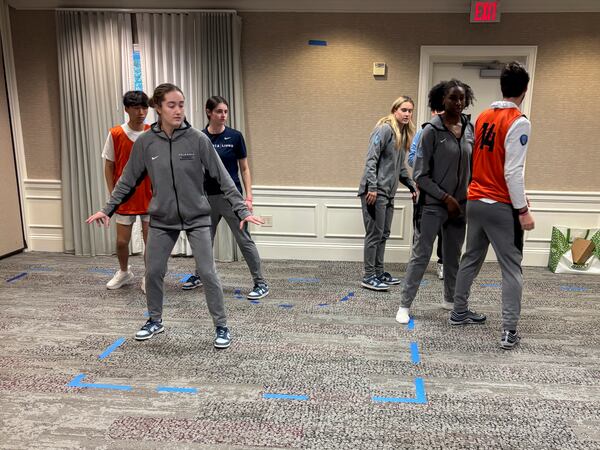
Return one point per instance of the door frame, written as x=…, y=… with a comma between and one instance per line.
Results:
x=431, y=54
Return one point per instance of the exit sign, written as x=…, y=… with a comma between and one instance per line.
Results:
x=485, y=11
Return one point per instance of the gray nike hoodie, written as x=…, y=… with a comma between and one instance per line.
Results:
x=443, y=162
x=176, y=168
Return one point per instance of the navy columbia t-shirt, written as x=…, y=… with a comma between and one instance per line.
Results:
x=231, y=147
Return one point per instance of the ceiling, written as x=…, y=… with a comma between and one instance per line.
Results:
x=362, y=6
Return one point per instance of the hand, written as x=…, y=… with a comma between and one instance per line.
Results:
x=527, y=222
x=248, y=203
x=99, y=218
x=414, y=195
x=371, y=198
x=252, y=219
x=453, y=207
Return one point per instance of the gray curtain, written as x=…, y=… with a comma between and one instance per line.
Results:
x=91, y=49
x=199, y=52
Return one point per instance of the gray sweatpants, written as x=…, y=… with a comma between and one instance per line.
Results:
x=378, y=223
x=159, y=247
x=220, y=207
x=429, y=221
x=496, y=224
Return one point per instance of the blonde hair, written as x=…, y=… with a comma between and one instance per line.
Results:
x=404, y=134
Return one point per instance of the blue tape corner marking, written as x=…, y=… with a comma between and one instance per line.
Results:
x=77, y=382
x=420, y=396
x=111, y=348
x=411, y=324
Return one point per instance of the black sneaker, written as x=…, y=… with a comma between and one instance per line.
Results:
x=386, y=278
x=374, y=283
x=222, y=337
x=260, y=290
x=149, y=329
x=192, y=283
x=466, y=318
x=509, y=340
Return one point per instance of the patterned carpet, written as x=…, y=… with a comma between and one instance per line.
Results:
x=318, y=364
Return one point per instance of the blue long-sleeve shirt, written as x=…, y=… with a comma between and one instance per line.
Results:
x=413, y=147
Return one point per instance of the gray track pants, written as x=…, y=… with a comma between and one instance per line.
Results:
x=429, y=221
x=378, y=223
x=159, y=247
x=220, y=207
x=496, y=224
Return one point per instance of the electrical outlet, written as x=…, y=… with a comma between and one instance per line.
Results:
x=268, y=221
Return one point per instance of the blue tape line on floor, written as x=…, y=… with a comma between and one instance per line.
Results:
x=237, y=291
x=317, y=42
x=323, y=304
x=112, y=348
x=177, y=389
x=254, y=302
x=100, y=270
x=350, y=294
x=411, y=324
x=185, y=278
x=76, y=382
x=573, y=288
x=492, y=285
x=419, y=398
x=414, y=353
x=146, y=314
x=304, y=280
x=17, y=277
x=286, y=396
x=286, y=305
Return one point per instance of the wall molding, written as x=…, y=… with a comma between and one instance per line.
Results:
x=325, y=223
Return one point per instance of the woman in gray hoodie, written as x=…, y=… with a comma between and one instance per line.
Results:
x=384, y=167
x=442, y=172
x=175, y=156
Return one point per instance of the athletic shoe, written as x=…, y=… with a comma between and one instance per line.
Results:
x=465, y=318
x=260, y=290
x=149, y=329
x=374, y=283
x=402, y=316
x=192, y=283
x=386, y=278
x=509, y=340
x=143, y=285
x=448, y=306
x=440, y=271
x=120, y=279
x=222, y=337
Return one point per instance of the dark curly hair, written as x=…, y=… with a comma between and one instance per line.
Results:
x=437, y=93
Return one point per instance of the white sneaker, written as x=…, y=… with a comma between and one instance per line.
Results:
x=143, y=286
x=402, y=315
x=448, y=306
x=120, y=279
x=440, y=271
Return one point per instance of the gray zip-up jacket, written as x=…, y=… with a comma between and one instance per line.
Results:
x=443, y=162
x=385, y=165
x=176, y=168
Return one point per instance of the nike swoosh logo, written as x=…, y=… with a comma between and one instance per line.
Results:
x=227, y=138
x=442, y=141
x=154, y=157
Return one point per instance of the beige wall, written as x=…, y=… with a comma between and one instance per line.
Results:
x=11, y=226
x=36, y=64
x=309, y=110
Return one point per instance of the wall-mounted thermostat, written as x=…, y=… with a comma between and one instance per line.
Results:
x=378, y=69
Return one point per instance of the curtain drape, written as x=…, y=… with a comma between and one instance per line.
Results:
x=200, y=53
x=92, y=47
